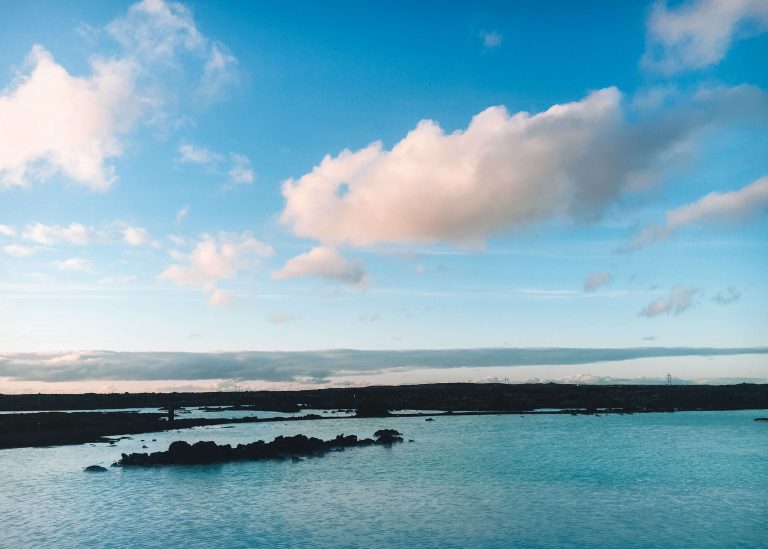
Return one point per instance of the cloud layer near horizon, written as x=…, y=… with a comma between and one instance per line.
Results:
x=312, y=366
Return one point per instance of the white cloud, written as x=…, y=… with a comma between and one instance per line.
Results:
x=220, y=72
x=324, y=262
x=215, y=259
x=729, y=207
x=52, y=122
x=220, y=298
x=136, y=236
x=699, y=33
x=280, y=318
x=491, y=39
x=161, y=33
x=74, y=233
x=18, y=250
x=504, y=172
x=116, y=280
x=177, y=240
x=5, y=230
x=241, y=172
x=191, y=154
x=596, y=281
x=181, y=215
x=73, y=264
x=157, y=30
x=675, y=302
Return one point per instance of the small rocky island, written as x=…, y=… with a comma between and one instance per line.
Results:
x=295, y=447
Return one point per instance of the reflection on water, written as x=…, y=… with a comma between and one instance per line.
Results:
x=694, y=479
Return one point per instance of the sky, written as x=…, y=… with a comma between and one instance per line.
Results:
x=189, y=190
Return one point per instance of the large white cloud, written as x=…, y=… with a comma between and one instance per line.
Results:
x=729, y=207
x=54, y=122
x=699, y=33
x=504, y=172
x=216, y=258
x=324, y=262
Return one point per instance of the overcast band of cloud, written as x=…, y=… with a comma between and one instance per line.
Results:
x=315, y=365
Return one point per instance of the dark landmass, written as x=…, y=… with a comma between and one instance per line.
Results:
x=54, y=428
x=438, y=396
x=295, y=447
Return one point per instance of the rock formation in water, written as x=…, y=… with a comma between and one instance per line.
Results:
x=95, y=469
x=295, y=447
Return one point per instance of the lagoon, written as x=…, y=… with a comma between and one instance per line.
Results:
x=672, y=480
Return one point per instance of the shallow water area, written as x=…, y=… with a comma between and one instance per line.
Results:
x=691, y=479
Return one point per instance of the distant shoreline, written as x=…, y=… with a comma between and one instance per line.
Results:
x=47, y=428
x=436, y=396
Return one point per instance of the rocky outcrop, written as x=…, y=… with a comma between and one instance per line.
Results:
x=95, y=469
x=295, y=447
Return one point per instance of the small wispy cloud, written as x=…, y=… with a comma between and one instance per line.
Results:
x=18, y=250
x=181, y=215
x=729, y=207
x=595, y=281
x=678, y=300
x=699, y=33
x=191, y=154
x=324, y=262
x=73, y=264
x=281, y=318
x=237, y=167
x=241, y=172
x=727, y=296
x=491, y=39
x=216, y=258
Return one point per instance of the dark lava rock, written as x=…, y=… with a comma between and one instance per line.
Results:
x=761, y=419
x=372, y=410
x=387, y=436
x=429, y=419
x=95, y=469
x=206, y=452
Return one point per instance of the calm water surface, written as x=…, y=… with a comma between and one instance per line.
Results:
x=683, y=480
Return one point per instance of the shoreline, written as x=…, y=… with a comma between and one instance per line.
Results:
x=71, y=428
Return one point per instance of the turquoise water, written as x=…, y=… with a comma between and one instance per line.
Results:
x=683, y=480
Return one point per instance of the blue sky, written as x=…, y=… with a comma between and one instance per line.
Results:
x=293, y=176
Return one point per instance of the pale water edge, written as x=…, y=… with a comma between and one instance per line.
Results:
x=682, y=480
